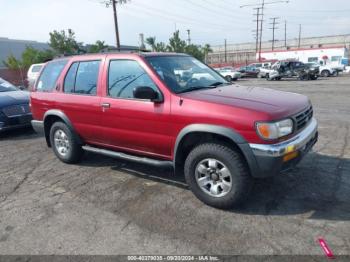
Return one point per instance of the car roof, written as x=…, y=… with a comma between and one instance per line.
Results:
x=122, y=53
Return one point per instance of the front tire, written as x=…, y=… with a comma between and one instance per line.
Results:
x=228, y=78
x=217, y=175
x=65, y=144
x=325, y=73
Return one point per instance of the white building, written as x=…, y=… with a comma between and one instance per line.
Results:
x=327, y=55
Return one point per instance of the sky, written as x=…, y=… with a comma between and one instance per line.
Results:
x=210, y=21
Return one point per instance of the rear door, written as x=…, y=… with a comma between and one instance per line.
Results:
x=80, y=96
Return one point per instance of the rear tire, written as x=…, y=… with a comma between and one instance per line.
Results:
x=64, y=143
x=217, y=175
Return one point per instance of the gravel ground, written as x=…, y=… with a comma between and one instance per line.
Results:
x=106, y=206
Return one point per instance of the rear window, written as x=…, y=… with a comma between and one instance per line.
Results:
x=36, y=69
x=49, y=75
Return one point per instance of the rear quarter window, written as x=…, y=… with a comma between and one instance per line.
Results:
x=49, y=75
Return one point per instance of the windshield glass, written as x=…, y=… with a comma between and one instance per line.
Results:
x=185, y=73
x=6, y=86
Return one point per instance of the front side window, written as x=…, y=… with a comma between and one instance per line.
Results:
x=185, y=73
x=82, y=78
x=50, y=74
x=124, y=76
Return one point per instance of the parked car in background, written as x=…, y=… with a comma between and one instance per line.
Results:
x=287, y=69
x=264, y=72
x=133, y=106
x=325, y=70
x=14, y=107
x=33, y=73
x=248, y=71
x=229, y=73
x=261, y=65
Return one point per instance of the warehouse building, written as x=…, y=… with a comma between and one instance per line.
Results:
x=238, y=54
x=16, y=47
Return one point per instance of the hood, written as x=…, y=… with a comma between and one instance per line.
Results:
x=277, y=104
x=13, y=98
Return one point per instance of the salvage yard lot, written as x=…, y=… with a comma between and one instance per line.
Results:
x=107, y=206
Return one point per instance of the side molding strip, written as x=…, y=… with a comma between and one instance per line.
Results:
x=144, y=160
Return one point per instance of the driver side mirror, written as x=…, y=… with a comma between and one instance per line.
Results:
x=147, y=93
x=21, y=87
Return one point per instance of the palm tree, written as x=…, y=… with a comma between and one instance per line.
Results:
x=151, y=41
x=206, y=50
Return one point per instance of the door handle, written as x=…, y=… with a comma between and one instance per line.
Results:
x=106, y=105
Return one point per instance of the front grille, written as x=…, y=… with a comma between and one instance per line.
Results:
x=16, y=110
x=303, y=118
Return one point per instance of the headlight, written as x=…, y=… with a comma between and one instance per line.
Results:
x=275, y=130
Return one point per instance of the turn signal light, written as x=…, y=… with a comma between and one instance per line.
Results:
x=290, y=156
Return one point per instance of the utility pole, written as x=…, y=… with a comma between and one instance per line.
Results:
x=225, y=51
x=274, y=23
x=142, y=42
x=285, y=34
x=261, y=27
x=188, y=36
x=262, y=6
x=257, y=28
x=299, y=35
x=114, y=3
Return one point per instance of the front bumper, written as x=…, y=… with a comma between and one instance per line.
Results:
x=270, y=158
x=9, y=123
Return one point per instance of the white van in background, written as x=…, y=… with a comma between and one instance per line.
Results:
x=33, y=72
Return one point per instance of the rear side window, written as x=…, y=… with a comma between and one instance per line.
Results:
x=82, y=78
x=49, y=75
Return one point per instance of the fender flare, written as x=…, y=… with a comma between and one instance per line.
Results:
x=229, y=133
x=65, y=119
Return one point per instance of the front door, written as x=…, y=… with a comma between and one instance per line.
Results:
x=138, y=126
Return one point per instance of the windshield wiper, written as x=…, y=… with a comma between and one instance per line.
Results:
x=216, y=84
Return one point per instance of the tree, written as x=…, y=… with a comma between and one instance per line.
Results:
x=161, y=47
x=206, y=50
x=151, y=41
x=33, y=56
x=97, y=47
x=176, y=44
x=64, y=43
x=12, y=62
x=195, y=51
x=29, y=56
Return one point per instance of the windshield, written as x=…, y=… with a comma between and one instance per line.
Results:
x=6, y=86
x=184, y=73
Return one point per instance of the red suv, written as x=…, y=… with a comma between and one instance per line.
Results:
x=170, y=109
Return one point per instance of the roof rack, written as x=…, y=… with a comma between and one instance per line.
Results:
x=107, y=50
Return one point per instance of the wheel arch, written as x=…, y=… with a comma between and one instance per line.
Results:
x=195, y=134
x=52, y=116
